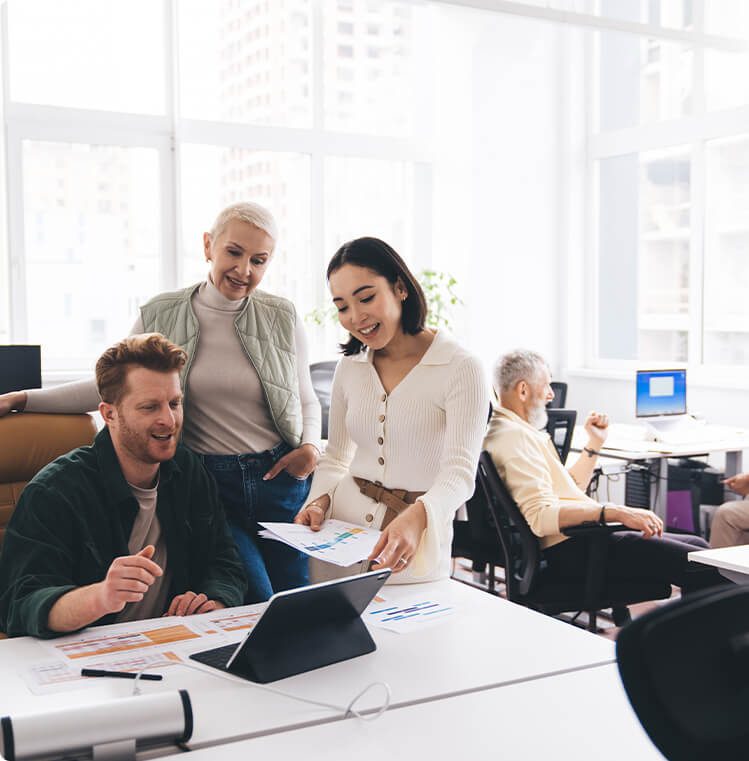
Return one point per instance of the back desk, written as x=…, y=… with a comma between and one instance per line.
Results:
x=486, y=644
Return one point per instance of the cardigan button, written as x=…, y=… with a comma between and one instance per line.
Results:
x=381, y=460
x=369, y=517
x=384, y=398
x=382, y=418
x=380, y=440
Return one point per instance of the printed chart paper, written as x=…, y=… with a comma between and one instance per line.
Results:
x=53, y=676
x=135, y=645
x=336, y=542
x=406, y=616
x=91, y=644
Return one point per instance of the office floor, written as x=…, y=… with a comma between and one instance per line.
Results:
x=462, y=572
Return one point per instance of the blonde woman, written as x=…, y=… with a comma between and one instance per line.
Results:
x=250, y=410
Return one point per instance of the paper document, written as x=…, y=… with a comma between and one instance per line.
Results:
x=336, y=542
x=406, y=616
x=135, y=645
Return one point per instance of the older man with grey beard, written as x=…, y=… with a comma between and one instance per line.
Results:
x=552, y=497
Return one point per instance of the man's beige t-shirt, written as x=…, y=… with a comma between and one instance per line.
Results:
x=147, y=530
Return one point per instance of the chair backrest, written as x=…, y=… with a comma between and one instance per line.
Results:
x=521, y=548
x=561, y=426
x=28, y=441
x=692, y=708
x=322, y=381
x=560, y=395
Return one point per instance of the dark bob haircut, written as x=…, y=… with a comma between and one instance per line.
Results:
x=376, y=255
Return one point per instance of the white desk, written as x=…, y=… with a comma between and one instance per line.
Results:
x=732, y=562
x=660, y=452
x=487, y=643
x=583, y=714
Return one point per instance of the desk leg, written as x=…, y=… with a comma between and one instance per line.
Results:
x=659, y=490
x=733, y=466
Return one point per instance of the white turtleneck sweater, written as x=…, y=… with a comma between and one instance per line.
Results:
x=225, y=411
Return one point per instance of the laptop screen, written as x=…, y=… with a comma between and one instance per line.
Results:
x=661, y=392
x=20, y=368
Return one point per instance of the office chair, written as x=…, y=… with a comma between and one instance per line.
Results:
x=476, y=538
x=322, y=381
x=527, y=578
x=561, y=427
x=685, y=668
x=560, y=396
x=28, y=441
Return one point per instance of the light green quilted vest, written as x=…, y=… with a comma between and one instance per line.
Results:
x=266, y=331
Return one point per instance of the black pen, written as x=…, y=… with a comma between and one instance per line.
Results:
x=121, y=674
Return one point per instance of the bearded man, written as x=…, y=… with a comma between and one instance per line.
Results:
x=552, y=497
x=128, y=528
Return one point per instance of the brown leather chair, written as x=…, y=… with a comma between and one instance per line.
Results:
x=28, y=441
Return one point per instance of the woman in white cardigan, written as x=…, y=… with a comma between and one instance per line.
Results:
x=407, y=417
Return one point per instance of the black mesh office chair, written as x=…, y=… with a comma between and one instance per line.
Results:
x=322, y=381
x=685, y=668
x=475, y=537
x=560, y=395
x=561, y=426
x=527, y=578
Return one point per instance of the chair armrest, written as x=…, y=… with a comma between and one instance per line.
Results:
x=593, y=528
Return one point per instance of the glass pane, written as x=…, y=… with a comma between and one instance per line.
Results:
x=642, y=80
x=91, y=226
x=644, y=231
x=100, y=54
x=726, y=316
x=368, y=197
x=723, y=89
x=727, y=17
x=245, y=61
x=213, y=177
x=674, y=14
x=370, y=80
x=663, y=270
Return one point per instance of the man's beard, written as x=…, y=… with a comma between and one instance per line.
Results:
x=538, y=417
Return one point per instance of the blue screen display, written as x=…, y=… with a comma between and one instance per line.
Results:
x=661, y=392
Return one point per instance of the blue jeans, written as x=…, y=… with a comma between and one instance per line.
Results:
x=271, y=566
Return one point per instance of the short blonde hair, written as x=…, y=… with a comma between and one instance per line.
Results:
x=246, y=211
x=149, y=350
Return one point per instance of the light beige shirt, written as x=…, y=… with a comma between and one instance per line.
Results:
x=528, y=463
x=147, y=530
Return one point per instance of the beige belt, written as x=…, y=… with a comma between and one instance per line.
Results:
x=395, y=500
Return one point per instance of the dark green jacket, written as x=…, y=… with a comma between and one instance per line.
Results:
x=75, y=517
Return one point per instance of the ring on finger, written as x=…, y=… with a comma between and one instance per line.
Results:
x=402, y=561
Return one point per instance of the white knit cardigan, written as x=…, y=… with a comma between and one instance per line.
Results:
x=424, y=436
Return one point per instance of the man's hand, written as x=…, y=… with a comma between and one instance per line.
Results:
x=597, y=428
x=189, y=603
x=636, y=518
x=128, y=580
x=400, y=540
x=313, y=513
x=14, y=400
x=299, y=463
x=738, y=483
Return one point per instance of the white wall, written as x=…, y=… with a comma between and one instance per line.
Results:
x=496, y=200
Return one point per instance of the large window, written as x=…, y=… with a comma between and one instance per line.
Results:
x=669, y=159
x=131, y=124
